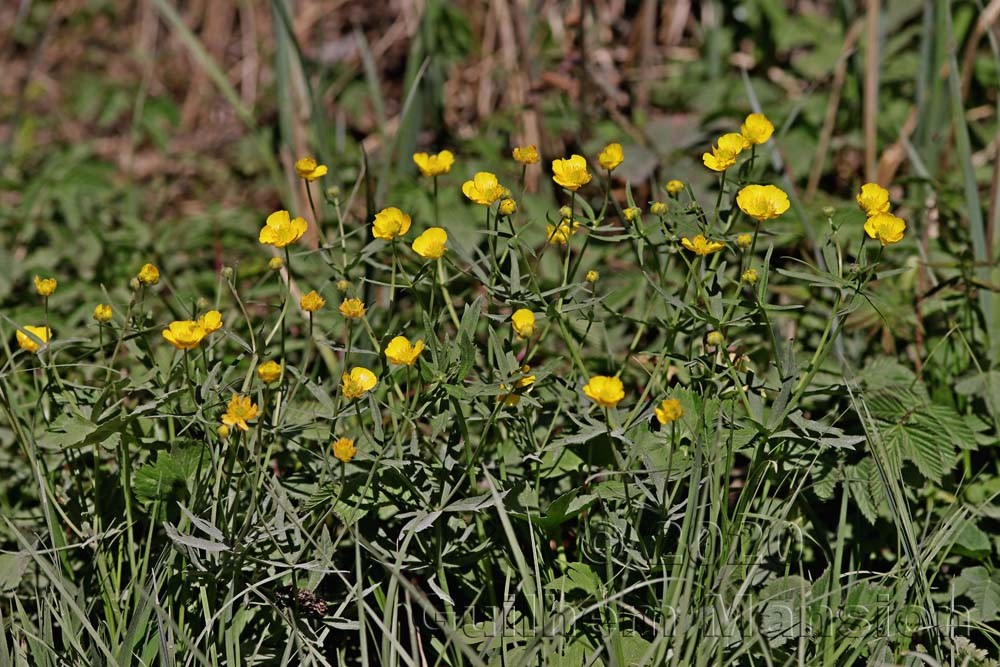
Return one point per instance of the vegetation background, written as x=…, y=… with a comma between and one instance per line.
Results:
x=856, y=523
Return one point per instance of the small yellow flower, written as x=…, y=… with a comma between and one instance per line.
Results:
x=308, y=169
x=312, y=302
x=484, y=188
x=149, y=274
x=566, y=213
x=343, y=286
x=507, y=207
x=223, y=431
x=592, y=276
x=275, y=263
x=885, y=227
x=523, y=321
x=45, y=286
x=756, y=129
x=344, y=449
x=184, y=334
x=632, y=213
x=658, y=208
x=750, y=277
x=560, y=234
x=674, y=187
x=744, y=240
x=102, y=313
x=210, y=321
x=714, y=338
x=611, y=156
x=239, y=411
x=281, y=229
x=873, y=199
x=400, y=352
x=702, y=246
x=526, y=154
x=723, y=155
x=357, y=383
x=390, y=223
x=352, y=309
x=269, y=371
x=605, y=391
x=514, y=397
x=571, y=173
x=26, y=343
x=762, y=202
x=432, y=244
x=668, y=411
x=434, y=165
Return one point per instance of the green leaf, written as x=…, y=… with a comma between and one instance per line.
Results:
x=171, y=475
x=983, y=588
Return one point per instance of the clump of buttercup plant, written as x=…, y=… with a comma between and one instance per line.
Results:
x=461, y=428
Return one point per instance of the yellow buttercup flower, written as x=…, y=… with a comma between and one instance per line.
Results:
x=658, y=208
x=750, y=277
x=210, y=321
x=674, y=187
x=715, y=338
x=269, y=371
x=312, y=302
x=702, y=246
x=507, y=207
x=526, y=154
x=223, y=431
x=669, y=410
x=756, y=129
x=605, y=391
x=308, y=169
x=885, y=227
x=352, y=309
x=744, y=240
x=102, y=313
x=184, y=334
x=873, y=199
x=239, y=411
x=275, y=263
x=571, y=173
x=149, y=274
x=400, y=352
x=562, y=233
x=592, y=276
x=281, y=229
x=26, y=343
x=343, y=285
x=344, y=449
x=762, y=202
x=632, y=213
x=358, y=382
x=434, y=165
x=514, y=397
x=432, y=244
x=390, y=223
x=45, y=286
x=611, y=156
x=523, y=321
x=723, y=155
x=484, y=188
